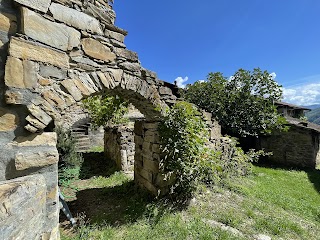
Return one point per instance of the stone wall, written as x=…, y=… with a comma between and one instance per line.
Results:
x=54, y=53
x=119, y=146
x=23, y=208
x=298, y=147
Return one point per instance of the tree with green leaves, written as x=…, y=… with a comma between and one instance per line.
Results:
x=243, y=104
x=106, y=110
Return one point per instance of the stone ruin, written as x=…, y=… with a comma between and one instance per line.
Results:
x=53, y=54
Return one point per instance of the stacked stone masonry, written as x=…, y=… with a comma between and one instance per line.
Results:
x=52, y=55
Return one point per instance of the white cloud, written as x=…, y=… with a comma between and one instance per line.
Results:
x=231, y=78
x=273, y=75
x=304, y=95
x=180, y=81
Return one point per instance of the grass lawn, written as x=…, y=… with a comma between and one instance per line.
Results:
x=282, y=204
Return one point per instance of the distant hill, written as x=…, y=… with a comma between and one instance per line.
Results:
x=314, y=115
x=314, y=106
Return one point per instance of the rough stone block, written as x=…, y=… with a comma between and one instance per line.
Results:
x=165, y=91
x=37, y=112
x=33, y=140
x=72, y=89
x=13, y=97
x=49, y=71
x=53, y=34
x=41, y=5
x=30, y=71
x=115, y=35
x=35, y=122
x=95, y=49
x=22, y=209
x=75, y=18
x=8, y=120
x=36, y=158
x=127, y=54
x=82, y=87
x=54, y=99
x=152, y=166
x=14, y=73
x=8, y=23
x=146, y=184
x=31, y=51
x=105, y=14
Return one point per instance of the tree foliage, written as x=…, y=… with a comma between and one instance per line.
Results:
x=243, y=104
x=105, y=110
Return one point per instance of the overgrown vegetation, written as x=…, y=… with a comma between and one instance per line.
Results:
x=105, y=110
x=69, y=159
x=243, y=104
x=188, y=154
x=280, y=203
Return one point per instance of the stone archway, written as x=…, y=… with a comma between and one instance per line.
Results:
x=56, y=53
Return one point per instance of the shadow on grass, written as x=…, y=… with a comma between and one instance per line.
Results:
x=96, y=164
x=123, y=204
x=112, y=205
x=314, y=177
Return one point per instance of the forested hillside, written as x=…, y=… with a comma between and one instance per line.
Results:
x=314, y=116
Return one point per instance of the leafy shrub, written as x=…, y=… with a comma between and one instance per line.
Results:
x=187, y=152
x=70, y=161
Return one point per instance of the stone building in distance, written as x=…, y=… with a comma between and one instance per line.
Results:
x=299, y=146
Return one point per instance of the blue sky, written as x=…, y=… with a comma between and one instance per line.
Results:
x=188, y=39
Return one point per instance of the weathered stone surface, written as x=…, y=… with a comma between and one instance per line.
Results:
x=8, y=23
x=49, y=71
x=117, y=36
x=31, y=128
x=41, y=5
x=13, y=97
x=31, y=51
x=127, y=54
x=35, y=122
x=95, y=49
x=54, y=99
x=30, y=70
x=103, y=13
x=14, y=73
x=165, y=91
x=44, y=81
x=75, y=18
x=22, y=209
x=38, y=158
x=118, y=44
x=48, y=108
x=37, y=112
x=72, y=89
x=8, y=120
x=150, y=165
x=32, y=140
x=69, y=100
x=84, y=90
x=86, y=61
x=132, y=67
x=21, y=74
x=53, y=34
